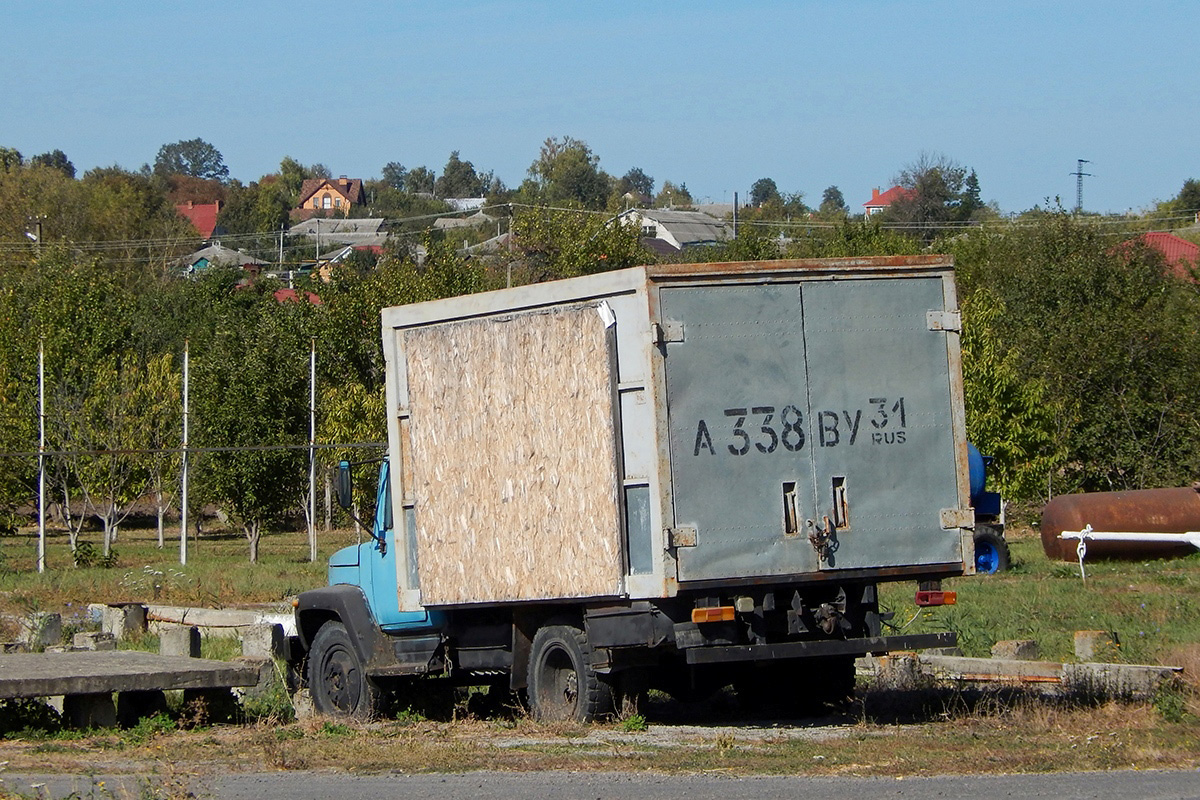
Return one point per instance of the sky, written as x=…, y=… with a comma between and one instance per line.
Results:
x=712, y=94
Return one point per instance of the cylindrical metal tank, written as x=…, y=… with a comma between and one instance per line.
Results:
x=1143, y=510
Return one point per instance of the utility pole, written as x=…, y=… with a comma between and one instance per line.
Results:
x=1079, y=176
x=36, y=234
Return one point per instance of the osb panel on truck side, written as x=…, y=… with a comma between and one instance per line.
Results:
x=514, y=457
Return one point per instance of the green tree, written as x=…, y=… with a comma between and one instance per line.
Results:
x=10, y=159
x=673, y=196
x=110, y=420
x=18, y=411
x=851, y=238
x=394, y=175
x=250, y=389
x=55, y=159
x=45, y=194
x=1188, y=199
x=635, y=180
x=1011, y=415
x=459, y=179
x=940, y=192
x=420, y=179
x=131, y=208
x=1110, y=336
x=833, y=203
x=194, y=157
x=764, y=191
x=560, y=244
x=567, y=171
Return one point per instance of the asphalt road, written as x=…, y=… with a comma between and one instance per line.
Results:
x=1149, y=785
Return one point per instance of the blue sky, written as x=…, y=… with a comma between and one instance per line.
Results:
x=714, y=94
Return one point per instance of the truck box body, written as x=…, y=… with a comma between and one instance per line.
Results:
x=636, y=434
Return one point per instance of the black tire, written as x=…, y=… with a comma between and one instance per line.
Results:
x=336, y=680
x=991, y=550
x=563, y=686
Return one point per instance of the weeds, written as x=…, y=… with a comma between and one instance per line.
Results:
x=86, y=555
x=634, y=723
x=28, y=719
x=334, y=729
x=149, y=727
x=1171, y=702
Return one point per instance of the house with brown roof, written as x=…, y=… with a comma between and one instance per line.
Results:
x=881, y=200
x=330, y=196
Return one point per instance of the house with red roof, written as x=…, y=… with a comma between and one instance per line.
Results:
x=1180, y=255
x=203, y=216
x=330, y=196
x=880, y=201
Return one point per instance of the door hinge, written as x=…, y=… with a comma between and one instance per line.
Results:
x=957, y=518
x=668, y=331
x=944, y=320
x=682, y=537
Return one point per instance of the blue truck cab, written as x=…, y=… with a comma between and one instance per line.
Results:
x=371, y=565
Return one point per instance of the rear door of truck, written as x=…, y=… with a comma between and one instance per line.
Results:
x=811, y=427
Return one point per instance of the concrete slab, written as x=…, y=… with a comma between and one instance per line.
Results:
x=219, y=621
x=94, y=672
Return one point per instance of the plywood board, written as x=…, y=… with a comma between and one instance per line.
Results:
x=514, y=457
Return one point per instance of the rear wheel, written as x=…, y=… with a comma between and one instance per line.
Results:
x=336, y=680
x=991, y=550
x=563, y=686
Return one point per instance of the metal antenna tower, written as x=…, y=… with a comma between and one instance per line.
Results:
x=1079, y=176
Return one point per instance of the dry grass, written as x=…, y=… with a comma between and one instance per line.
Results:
x=1028, y=738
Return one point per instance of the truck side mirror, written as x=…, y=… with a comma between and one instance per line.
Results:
x=344, y=485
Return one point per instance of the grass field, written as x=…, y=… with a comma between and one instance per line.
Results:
x=218, y=573
x=1153, y=606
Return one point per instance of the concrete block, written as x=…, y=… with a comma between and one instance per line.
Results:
x=942, y=651
x=268, y=677
x=179, y=640
x=1126, y=681
x=94, y=640
x=90, y=711
x=43, y=629
x=124, y=620
x=1096, y=645
x=901, y=671
x=303, y=705
x=1016, y=650
x=262, y=641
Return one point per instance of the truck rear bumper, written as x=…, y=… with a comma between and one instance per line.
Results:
x=829, y=647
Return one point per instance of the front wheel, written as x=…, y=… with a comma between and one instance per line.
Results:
x=991, y=550
x=563, y=686
x=336, y=680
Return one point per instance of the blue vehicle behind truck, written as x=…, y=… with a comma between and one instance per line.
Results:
x=677, y=477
